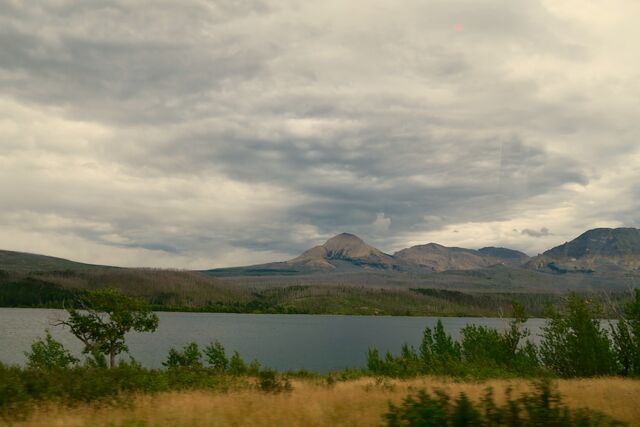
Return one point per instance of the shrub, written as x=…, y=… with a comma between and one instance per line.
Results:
x=270, y=382
x=574, y=344
x=544, y=407
x=216, y=357
x=482, y=352
x=189, y=357
x=626, y=338
x=237, y=365
x=49, y=354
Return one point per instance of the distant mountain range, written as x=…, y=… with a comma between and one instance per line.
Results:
x=597, y=250
x=601, y=249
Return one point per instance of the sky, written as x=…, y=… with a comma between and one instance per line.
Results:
x=202, y=134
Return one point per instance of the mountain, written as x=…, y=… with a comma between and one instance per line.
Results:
x=343, y=251
x=597, y=250
x=22, y=261
x=505, y=254
x=435, y=257
x=349, y=253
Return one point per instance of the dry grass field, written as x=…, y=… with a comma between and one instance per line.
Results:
x=354, y=403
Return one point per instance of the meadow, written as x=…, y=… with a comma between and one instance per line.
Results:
x=316, y=402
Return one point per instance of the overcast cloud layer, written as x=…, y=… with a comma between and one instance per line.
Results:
x=204, y=134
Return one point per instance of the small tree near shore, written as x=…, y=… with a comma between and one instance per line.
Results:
x=106, y=315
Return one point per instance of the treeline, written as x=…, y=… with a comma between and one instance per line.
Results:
x=573, y=344
x=189, y=291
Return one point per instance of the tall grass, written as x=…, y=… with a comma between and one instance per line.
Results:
x=361, y=402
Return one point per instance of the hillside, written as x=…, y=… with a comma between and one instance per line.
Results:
x=597, y=250
x=22, y=261
x=349, y=253
x=342, y=250
x=434, y=257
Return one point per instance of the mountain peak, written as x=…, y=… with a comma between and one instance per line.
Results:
x=599, y=249
x=345, y=241
x=344, y=247
x=609, y=242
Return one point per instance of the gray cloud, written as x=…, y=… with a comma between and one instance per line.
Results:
x=536, y=233
x=209, y=133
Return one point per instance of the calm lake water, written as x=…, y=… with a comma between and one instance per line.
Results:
x=313, y=342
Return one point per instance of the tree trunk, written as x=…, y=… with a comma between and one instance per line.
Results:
x=112, y=359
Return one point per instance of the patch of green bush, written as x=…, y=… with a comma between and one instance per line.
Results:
x=574, y=343
x=482, y=352
x=20, y=387
x=270, y=382
x=543, y=407
x=49, y=354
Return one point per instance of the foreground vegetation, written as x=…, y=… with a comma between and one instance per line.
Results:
x=315, y=402
x=574, y=343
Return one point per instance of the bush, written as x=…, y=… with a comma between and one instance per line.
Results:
x=20, y=387
x=574, y=344
x=189, y=357
x=216, y=357
x=237, y=365
x=482, y=352
x=626, y=338
x=270, y=382
x=49, y=354
x=542, y=408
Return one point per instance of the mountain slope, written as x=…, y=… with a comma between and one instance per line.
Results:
x=342, y=251
x=435, y=257
x=22, y=261
x=600, y=249
x=505, y=254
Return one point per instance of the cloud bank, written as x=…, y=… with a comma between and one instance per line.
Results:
x=203, y=134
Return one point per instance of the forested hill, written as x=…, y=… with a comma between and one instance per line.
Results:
x=22, y=261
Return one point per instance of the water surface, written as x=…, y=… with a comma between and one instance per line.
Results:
x=313, y=342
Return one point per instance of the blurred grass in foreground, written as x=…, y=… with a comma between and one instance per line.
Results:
x=316, y=402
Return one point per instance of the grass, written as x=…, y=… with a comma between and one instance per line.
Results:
x=360, y=402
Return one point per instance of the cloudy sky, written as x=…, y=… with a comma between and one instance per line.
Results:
x=197, y=134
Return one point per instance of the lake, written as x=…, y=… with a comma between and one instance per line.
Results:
x=314, y=342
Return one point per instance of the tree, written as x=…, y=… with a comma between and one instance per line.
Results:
x=216, y=356
x=626, y=337
x=106, y=315
x=49, y=354
x=574, y=344
x=190, y=357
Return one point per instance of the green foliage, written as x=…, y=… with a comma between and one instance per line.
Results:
x=216, y=356
x=190, y=357
x=489, y=350
x=482, y=352
x=626, y=338
x=20, y=388
x=574, y=344
x=106, y=316
x=270, y=382
x=49, y=354
x=542, y=408
x=33, y=292
x=237, y=365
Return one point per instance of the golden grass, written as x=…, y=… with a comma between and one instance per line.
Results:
x=355, y=403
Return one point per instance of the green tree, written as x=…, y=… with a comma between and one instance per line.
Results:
x=104, y=318
x=49, y=354
x=216, y=356
x=574, y=344
x=189, y=357
x=626, y=337
x=237, y=366
x=516, y=332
